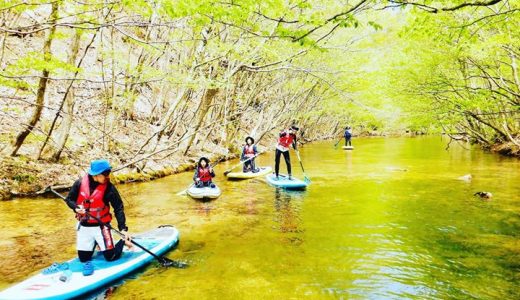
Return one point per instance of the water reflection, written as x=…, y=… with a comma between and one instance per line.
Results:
x=288, y=205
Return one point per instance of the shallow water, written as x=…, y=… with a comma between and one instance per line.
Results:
x=388, y=220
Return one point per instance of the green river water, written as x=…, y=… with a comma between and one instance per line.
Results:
x=388, y=220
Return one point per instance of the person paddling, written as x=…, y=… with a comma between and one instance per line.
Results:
x=348, y=136
x=204, y=174
x=285, y=140
x=93, y=195
x=249, y=152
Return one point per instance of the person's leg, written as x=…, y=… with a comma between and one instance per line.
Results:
x=106, y=244
x=116, y=252
x=247, y=166
x=85, y=243
x=349, y=142
x=277, y=162
x=199, y=184
x=346, y=141
x=288, y=162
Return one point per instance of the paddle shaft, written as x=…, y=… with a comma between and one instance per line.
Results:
x=301, y=165
x=338, y=142
x=300, y=160
x=242, y=162
x=160, y=259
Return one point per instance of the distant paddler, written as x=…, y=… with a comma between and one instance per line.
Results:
x=348, y=136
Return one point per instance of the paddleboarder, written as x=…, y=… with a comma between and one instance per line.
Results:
x=285, y=140
x=249, y=152
x=93, y=195
x=204, y=174
x=348, y=136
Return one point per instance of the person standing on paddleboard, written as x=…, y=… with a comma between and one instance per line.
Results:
x=93, y=195
x=204, y=174
x=286, y=139
x=348, y=136
x=249, y=152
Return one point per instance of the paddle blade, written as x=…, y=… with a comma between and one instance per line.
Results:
x=307, y=179
x=168, y=263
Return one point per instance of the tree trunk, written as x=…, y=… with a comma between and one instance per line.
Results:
x=42, y=85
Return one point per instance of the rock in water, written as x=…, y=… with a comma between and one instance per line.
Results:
x=466, y=177
x=483, y=195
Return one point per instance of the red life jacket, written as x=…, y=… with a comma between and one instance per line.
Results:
x=249, y=151
x=286, y=140
x=204, y=174
x=93, y=203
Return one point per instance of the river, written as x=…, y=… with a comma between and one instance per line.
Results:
x=388, y=220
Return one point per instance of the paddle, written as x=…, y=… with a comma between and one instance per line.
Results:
x=242, y=162
x=335, y=145
x=305, y=178
x=164, y=261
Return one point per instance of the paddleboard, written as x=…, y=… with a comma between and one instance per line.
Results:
x=204, y=192
x=348, y=147
x=40, y=286
x=241, y=175
x=284, y=182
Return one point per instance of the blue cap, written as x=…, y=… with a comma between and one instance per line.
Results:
x=99, y=166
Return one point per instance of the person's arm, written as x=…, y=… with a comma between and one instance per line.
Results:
x=283, y=133
x=255, y=150
x=243, y=155
x=72, y=196
x=196, y=174
x=212, y=173
x=117, y=204
x=294, y=143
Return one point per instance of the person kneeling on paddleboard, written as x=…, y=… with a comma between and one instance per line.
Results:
x=249, y=152
x=93, y=195
x=203, y=174
x=348, y=136
x=286, y=139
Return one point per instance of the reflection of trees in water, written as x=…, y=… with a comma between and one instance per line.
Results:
x=288, y=205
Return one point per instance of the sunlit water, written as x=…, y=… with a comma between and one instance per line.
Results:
x=388, y=220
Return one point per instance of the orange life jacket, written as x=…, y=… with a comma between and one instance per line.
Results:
x=93, y=203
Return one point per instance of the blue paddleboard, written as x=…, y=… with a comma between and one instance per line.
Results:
x=284, y=182
x=41, y=286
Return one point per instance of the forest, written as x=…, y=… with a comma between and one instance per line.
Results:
x=152, y=85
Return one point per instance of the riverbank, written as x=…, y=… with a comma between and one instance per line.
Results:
x=26, y=177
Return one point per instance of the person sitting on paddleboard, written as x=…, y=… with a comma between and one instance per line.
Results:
x=203, y=174
x=249, y=152
x=93, y=195
x=348, y=136
x=286, y=139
